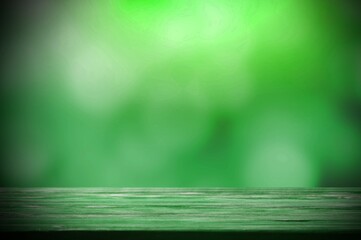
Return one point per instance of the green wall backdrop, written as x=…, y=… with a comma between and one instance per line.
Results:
x=173, y=93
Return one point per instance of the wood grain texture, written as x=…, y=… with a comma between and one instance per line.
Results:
x=215, y=209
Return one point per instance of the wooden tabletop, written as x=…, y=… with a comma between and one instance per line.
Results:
x=180, y=209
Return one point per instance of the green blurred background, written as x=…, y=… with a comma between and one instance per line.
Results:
x=181, y=93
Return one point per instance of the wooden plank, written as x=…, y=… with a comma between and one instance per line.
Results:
x=176, y=209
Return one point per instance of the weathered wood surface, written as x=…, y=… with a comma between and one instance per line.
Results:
x=60, y=209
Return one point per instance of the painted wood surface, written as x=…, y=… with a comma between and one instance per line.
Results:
x=177, y=209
